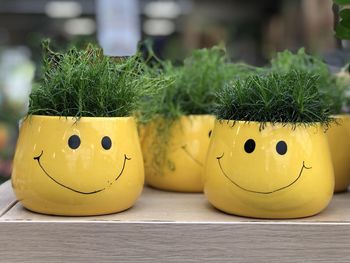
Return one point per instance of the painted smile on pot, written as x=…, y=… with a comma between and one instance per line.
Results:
x=37, y=158
x=261, y=192
x=184, y=147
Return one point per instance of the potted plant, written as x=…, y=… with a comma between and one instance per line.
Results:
x=333, y=89
x=78, y=151
x=269, y=155
x=177, y=120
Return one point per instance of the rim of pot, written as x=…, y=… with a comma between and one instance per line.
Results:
x=72, y=117
x=283, y=124
x=341, y=115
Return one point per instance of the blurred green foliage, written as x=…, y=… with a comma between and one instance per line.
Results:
x=342, y=29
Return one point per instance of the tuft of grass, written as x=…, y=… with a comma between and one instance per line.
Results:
x=202, y=74
x=86, y=83
x=286, y=61
x=191, y=89
x=291, y=97
x=331, y=88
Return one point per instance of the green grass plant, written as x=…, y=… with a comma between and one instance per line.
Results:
x=290, y=98
x=86, y=83
x=191, y=89
x=188, y=89
x=332, y=88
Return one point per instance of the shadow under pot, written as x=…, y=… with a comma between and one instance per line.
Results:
x=174, y=155
x=339, y=143
x=78, y=167
x=279, y=171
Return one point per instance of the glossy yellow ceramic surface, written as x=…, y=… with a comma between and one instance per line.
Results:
x=87, y=167
x=277, y=172
x=180, y=166
x=339, y=143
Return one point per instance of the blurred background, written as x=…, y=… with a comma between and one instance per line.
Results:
x=252, y=31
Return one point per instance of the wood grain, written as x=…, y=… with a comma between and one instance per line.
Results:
x=7, y=197
x=173, y=227
x=173, y=242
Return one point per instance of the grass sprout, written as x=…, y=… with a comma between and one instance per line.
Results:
x=332, y=89
x=290, y=98
x=86, y=83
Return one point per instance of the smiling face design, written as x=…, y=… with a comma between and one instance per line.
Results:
x=74, y=143
x=182, y=168
x=281, y=149
x=86, y=167
x=276, y=172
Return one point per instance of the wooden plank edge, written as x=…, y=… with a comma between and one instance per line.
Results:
x=172, y=242
x=7, y=198
x=159, y=222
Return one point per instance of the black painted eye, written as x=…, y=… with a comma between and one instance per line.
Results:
x=106, y=143
x=249, y=146
x=281, y=147
x=74, y=142
x=209, y=134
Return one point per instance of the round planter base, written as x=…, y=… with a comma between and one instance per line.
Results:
x=277, y=172
x=90, y=166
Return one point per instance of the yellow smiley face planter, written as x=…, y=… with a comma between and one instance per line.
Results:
x=180, y=166
x=275, y=172
x=339, y=143
x=90, y=166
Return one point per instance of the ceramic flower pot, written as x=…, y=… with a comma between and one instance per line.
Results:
x=177, y=163
x=276, y=172
x=87, y=167
x=339, y=143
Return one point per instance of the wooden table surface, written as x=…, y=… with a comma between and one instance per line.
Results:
x=172, y=227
